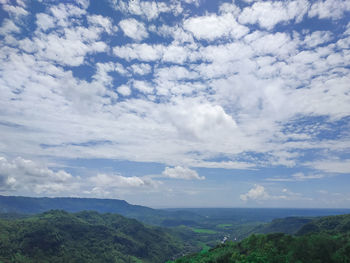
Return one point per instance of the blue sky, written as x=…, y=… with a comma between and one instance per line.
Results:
x=188, y=103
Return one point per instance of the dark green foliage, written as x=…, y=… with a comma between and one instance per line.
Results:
x=58, y=236
x=328, y=224
x=324, y=240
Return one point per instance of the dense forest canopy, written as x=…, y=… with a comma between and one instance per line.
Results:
x=324, y=240
x=58, y=236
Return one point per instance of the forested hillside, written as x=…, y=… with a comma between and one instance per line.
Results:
x=323, y=240
x=58, y=236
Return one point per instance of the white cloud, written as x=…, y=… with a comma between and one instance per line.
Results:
x=278, y=44
x=45, y=21
x=104, y=22
x=179, y=172
x=303, y=177
x=268, y=14
x=201, y=121
x=141, y=69
x=222, y=98
x=134, y=29
x=142, y=86
x=175, y=73
x=176, y=32
x=147, y=9
x=333, y=9
x=176, y=54
x=8, y=27
x=331, y=166
x=69, y=42
x=223, y=165
x=124, y=90
x=118, y=181
x=257, y=193
x=296, y=177
x=143, y=52
x=25, y=175
x=64, y=13
x=347, y=30
x=229, y=8
x=213, y=26
x=316, y=38
x=15, y=11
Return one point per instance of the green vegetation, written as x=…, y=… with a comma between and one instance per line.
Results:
x=58, y=236
x=321, y=240
x=204, y=231
x=224, y=225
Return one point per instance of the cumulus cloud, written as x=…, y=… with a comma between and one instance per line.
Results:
x=143, y=52
x=147, y=9
x=104, y=22
x=269, y=14
x=45, y=21
x=69, y=42
x=124, y=90
x=176, y=54
x=142, y=86
x=8, y=26
x=333, y=9
x=25, y=175
x=258, y=192
x=141, y=69
x=201, y=121
x=179, y=172
x=317, y=38
x=213, y=26
x=28, y=177
x=134, y=29
x=16, y=9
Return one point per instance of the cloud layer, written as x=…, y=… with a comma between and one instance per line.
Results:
x=244, y=85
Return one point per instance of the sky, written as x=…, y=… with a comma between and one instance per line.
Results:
x=186, y=103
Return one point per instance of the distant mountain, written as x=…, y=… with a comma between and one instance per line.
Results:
x=34, y=205
x=57, y=236
x=323, y=240
x=246, y=215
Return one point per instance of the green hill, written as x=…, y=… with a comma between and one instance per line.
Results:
x=58, y=236
x=323, y=240
x=329, y=224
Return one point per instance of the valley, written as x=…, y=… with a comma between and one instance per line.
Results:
x=106, y=230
